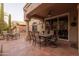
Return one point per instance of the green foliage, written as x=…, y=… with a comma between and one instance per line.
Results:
x=3, y=25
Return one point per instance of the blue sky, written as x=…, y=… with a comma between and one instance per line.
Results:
x=16, y=10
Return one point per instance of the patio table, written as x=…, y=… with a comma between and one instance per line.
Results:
x=46, y=37
x=9, y=35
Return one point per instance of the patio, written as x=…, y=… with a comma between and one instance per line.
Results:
x=36, y=38
x=22, y=47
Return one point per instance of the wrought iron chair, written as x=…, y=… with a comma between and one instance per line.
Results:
x=33, y=38
x=17, y=35
x=11, y=36
x=30, y=36
x=39, y=40
x=54, y=39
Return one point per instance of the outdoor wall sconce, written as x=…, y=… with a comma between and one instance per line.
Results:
x=74, y=23
x=41, y=24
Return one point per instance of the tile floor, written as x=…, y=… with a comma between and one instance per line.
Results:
x=21, y=47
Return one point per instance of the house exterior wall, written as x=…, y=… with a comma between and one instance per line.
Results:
x=40, y=24
x=22, y=28
x=72, y=30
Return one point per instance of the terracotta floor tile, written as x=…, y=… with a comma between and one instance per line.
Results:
x=21, y=47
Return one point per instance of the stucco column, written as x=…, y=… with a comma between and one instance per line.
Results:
x=78, y=28
x=27, y=29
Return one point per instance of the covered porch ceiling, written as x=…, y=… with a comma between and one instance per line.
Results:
x=45, y=8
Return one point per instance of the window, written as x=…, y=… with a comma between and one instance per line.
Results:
x=34, y=26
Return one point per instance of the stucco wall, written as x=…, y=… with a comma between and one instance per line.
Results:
x=39, y=24
x=73, y=32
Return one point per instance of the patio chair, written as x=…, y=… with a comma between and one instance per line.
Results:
x=12, y=36
x=5, y=35
x=33, y=38
x=1, y=37
x=38, y=39
x=36, y=34
x=54, y=39
x=17, y=35
x=30, y=36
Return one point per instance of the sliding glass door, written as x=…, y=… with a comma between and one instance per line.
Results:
x=60, y=24
x=63, y=27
